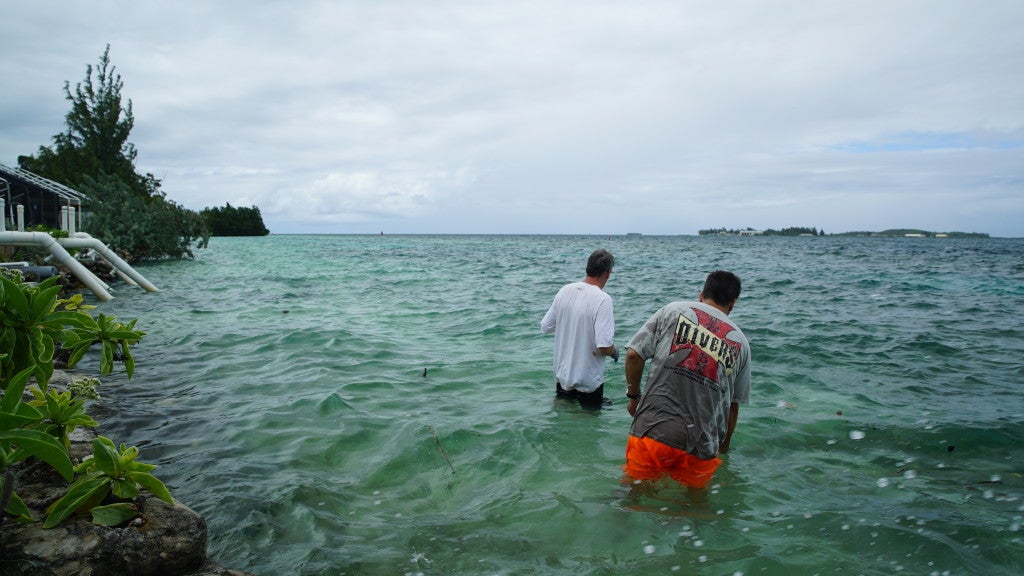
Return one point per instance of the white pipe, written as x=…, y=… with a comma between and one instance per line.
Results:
x=71, y=221
x=83, y=240
x=63, y=217
x=48, y=242
x=21, y=218
x=3, y=215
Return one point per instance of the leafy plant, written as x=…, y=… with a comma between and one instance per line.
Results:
x=55, y=232
x=12, y=274
x=74, y=302
x=61, y=413
x=33, y=322
x=109, y=471
x=93, y=155
x=114, y=337
x=140, y=228
x=33, y=319
x=29, y=324
x=18, y=441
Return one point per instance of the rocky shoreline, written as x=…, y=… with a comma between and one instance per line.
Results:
x=162, y=540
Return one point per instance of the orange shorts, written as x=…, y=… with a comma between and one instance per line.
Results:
x=648, y=459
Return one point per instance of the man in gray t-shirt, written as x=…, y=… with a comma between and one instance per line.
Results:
x=700, y=373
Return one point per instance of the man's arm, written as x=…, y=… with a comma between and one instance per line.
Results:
x=734, y=416
x=547, y=323
x=634, y=372
x=608, y=351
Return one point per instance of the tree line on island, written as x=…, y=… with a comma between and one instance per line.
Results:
x=232, y=221
x=125, y=209
x=795, y=231
x=802, y=231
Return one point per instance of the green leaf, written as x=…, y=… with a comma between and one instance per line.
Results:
x=141, y=467
x=77, y=353
x=114, y=514
x=43, y=302
x=46, y=349
x=81, y=420
x=79, y=320
x=85, y=465
x=105, y=456
x=129, y=360
x=7, y=340
x=153, y=484
x=124, y=489
x=43, y=372
x=16, y=299
x=23, y=415
x=107, y=358
x=70, y=338
x=80, y=494
x=42, y=446
x=15, y=389
x=127, y=335
x=17, y=508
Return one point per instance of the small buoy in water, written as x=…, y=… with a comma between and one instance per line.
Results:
x=950, y=448
x=284, y=311
x=839, y=412
x=424, y=372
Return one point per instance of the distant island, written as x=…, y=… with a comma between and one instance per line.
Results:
x=801, y=231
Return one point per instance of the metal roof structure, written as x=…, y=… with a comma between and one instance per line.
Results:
x=42, y=198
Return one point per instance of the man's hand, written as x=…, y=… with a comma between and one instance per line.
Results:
x=734, y=416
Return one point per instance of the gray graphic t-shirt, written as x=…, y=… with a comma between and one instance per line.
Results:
x=700, y=364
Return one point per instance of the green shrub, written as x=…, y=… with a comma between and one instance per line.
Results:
x=139, y=227
x=108, y=471
x=33, y=322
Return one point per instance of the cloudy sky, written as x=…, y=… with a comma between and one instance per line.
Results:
x=576, y=117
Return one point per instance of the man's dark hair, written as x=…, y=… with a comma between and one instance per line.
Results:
x=722, y=287
x=600, y=261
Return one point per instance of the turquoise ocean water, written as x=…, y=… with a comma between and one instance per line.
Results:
x=281, y=392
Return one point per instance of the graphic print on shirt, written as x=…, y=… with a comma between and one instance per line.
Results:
x=708, y=345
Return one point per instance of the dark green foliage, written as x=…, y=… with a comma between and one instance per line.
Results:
x=794, y=231
x=139, y=227
x=96, y=139
x=34, y=321
x=111, y=470
x=127, y=210
x=231, y=221
x=722, y=231
x=902, y=232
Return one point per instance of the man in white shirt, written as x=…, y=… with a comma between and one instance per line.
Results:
x=583, y=321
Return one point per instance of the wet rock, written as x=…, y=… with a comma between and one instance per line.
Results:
x=162, y=540
x=170, y=540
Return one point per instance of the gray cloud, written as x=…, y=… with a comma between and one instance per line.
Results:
x=569, y=117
